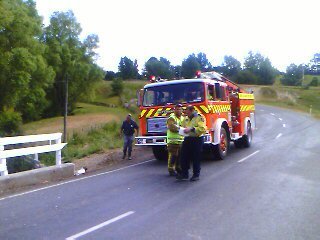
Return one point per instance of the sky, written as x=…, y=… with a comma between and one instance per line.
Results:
x=284, y=31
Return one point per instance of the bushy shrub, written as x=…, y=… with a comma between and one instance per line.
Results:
x=314, y=82
x=10, y=123
x=268, y=92
x=117, y=86
x=246, y=77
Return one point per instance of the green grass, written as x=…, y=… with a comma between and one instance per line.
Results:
x=96, y=140
x=308, y=79
x=295, y=98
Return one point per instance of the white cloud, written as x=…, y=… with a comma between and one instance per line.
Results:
x=285, y=31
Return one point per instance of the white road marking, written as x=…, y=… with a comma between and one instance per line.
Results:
x=261, y=110
x=279, y=135
x=284, y=125
x=245, y=158
x=280, y=119
x=272, y=114
x=101, y=225
x=76, y=180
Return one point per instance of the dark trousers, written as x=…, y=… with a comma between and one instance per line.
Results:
x=191, y=151
x=127, y=144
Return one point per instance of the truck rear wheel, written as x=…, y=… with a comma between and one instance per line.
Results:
x=238, y=143
x=221, y=150
x=160, y=153
x=245, y=140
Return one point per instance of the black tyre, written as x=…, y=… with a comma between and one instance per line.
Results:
x=221, y=150
x=247, y=139
x=160, y=153
x=238, y=143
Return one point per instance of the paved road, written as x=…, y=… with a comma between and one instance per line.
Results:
x=269, y=191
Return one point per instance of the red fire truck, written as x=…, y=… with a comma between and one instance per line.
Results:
x=227, y=109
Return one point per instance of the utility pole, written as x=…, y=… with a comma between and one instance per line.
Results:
x=65, y=109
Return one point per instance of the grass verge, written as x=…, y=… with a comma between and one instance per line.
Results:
x=294, y=98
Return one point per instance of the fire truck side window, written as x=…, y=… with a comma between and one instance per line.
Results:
x=220, y=92
x=210, y=93
x=223, y=94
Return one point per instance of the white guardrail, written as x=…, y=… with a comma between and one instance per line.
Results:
x=54, y=145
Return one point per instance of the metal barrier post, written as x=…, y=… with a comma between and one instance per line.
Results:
x=3, y=164
x=58, y=153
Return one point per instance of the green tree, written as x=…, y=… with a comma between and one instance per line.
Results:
x=110, y=75
x=128, y=69
x=190, y=66
x=245, y=77
x=24, y=73
x=314, y=66
x=230, y=66
x=70, y=58
x=160, y=68
x=293, y=75
x=204, y=63
x=261, y=67
x=177, y=71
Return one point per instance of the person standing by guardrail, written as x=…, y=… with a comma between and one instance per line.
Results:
x=195, y=127
x=127, y=130
x=174, y=140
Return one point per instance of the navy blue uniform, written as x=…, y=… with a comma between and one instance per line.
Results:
x=128, y=128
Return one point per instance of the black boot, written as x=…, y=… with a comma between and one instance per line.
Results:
x=194, y=178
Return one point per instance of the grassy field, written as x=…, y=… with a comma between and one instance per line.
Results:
x=94, y=125
x=295, y=98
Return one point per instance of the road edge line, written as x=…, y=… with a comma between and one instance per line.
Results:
x=76, y=180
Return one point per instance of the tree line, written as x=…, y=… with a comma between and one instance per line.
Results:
x=36, y=60
x=256, y=69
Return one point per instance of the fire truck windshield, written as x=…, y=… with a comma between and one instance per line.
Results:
x=173, y=93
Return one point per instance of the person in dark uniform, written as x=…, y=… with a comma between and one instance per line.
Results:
x=127, y=130
x=195, y=127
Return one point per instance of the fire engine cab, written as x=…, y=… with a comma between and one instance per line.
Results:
x=227, y=109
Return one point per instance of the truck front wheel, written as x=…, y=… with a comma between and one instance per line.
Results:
x=221, y=150
x=160, y=153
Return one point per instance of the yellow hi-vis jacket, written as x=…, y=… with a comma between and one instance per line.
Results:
x=197, y=123
x=173, y=125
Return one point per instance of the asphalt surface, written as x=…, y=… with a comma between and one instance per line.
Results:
x=268, y=191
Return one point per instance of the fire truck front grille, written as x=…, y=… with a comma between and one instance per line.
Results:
x=157, y=125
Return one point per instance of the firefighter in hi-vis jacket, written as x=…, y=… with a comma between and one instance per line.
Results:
x=195, y=127
x=174, y=140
